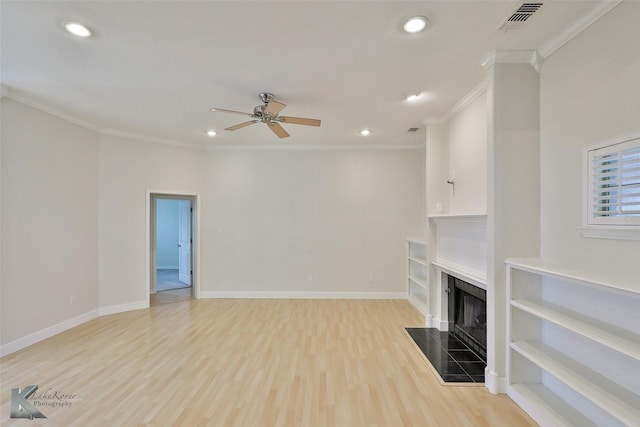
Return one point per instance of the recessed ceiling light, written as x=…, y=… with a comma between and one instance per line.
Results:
x=211, y=132
x=415, y=24
x=365, y=132
x=412, y=96
x=77, y=29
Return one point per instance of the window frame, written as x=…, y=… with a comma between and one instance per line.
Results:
x=622, y=226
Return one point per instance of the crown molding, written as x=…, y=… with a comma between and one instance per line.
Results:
x=66, y=117
x=313, y=147
x=528, y=56
x=576, y=27
x=468, y=98
x=145, y=138
x=5, y=91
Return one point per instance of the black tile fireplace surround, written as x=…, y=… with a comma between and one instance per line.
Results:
x=468, y=314
x=450, y=357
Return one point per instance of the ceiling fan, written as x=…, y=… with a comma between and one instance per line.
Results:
x=268, y=114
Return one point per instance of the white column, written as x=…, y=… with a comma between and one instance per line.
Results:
x=513, y=220
x=436, y=203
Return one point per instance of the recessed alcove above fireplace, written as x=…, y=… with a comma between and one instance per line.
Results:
x=459, y=249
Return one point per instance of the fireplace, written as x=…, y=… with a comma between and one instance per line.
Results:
x=468, y=314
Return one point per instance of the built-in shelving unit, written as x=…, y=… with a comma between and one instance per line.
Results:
x=417, y=287
x=574, y=346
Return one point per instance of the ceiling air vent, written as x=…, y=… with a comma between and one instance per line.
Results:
x=411, y=130
x=523, y=12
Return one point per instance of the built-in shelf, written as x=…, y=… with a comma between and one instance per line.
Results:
x=614, y=399
x=420, y=281
x=417, y=282
x=574, y=347
x=419, y=260
x=618, y=339
x=536, y=398
x=536, y=266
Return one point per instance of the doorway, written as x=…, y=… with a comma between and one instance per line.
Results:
x=173, y=244
x=172, y=249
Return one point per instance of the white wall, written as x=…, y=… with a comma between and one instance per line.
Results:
x=128, y=170
x=274, y=217
x=49, y=220
x=167, y=217
x=74, y=217
x=467, y=143
x=590, y=92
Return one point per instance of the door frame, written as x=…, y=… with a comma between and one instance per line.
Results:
x=151, y=198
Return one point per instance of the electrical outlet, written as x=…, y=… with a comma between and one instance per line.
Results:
x=439, y=207
x=372, y=278
x=72, y=299
x=310, y=278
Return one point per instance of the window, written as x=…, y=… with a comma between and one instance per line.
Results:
x=614, y=183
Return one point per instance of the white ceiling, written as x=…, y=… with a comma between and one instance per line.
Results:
x=155, y=68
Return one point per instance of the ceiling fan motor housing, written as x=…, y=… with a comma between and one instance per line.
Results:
x=258, y=110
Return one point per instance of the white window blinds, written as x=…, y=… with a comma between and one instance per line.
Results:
x=614, y=181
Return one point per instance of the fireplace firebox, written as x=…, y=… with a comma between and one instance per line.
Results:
x=468, y=314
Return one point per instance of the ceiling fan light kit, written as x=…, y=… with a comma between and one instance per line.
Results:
x=268, y=113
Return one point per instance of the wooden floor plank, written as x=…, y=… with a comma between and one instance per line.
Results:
x=226, y=362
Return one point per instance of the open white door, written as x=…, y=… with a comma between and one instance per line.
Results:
x=184, y=242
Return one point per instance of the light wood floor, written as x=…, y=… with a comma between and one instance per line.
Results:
x=224, y=362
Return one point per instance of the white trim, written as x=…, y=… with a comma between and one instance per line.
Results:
x=479, y=90
x=196, y=235
x=612, y=232
x=143, y=138
x=442, y=325
x=494, y=382
x=531, y=57
x=121, y=308
x=312, y=147
x=576, y=27
x=51, y=111
x=302, y=295
x=205, y=146
x=603, y=231
x=436, y=322
x=466, y=216
x=476, y=278
x=428, y=321
x=48, y=332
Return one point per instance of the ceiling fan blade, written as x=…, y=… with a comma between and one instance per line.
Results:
x=222, y=110
x=299, y=121
x=241, y=125
x=274, y=107
x=278, y=130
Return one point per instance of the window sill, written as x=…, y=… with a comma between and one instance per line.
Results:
x=611, y=232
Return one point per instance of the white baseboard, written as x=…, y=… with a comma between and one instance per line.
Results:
x=495, y=383
x=428, y=321
x=113, y=309
x=436, y=322
x=45, y=333
x=302, y=295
